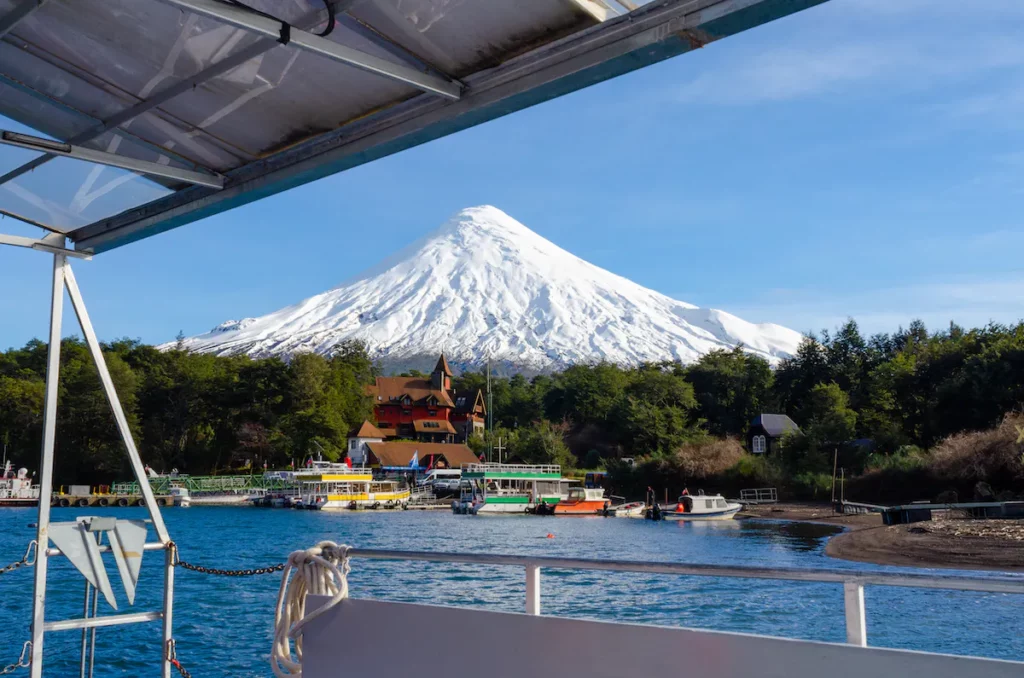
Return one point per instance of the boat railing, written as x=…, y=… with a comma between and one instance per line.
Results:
x=512, y=468
x=853, y=581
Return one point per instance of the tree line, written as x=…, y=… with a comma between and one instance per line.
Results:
x=198, y=413
x=876, y=401
x=862, y=403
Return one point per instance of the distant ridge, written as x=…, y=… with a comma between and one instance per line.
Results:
x=482, y=285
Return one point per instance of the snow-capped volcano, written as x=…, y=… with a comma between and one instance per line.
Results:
x=484, y=285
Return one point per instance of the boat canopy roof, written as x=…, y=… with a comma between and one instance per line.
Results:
x=133, y=117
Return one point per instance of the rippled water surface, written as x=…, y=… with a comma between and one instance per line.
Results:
x=223, y=626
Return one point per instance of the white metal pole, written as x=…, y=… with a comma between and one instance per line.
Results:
x=46, y=465
x=856, y=623
x=168, y=621
x=532, y=589
x=115, y=404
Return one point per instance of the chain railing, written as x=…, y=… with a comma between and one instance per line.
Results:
x=172, y=657
x=28, y=559
x=24, y=661
x=249, y=572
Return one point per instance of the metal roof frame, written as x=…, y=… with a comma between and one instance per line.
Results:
x=621, y=43
x=643, y=37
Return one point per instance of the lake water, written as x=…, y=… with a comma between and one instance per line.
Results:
x=223, y=625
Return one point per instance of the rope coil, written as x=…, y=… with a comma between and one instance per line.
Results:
x=320, y=570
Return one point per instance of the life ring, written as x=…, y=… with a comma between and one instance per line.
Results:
x=122, y=501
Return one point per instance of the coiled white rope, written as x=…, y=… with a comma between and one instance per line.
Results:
x=321, y=570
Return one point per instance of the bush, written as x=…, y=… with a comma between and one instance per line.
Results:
x=813, y=486
x=906, y=458
x=752, y=471
x=592, y=460
x=707, y=457
x=992, y=456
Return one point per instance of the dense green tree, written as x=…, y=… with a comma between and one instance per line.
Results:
x=731, y=388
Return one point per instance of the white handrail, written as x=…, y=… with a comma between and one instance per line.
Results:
x=853, y=581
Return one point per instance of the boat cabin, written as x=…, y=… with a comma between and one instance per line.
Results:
x=584, y=494
x=701, y=503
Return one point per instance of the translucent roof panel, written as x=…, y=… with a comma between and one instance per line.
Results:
x=70, y=193
x=210, y=104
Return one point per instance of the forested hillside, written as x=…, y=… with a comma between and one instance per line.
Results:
x=892, y=406
x=197, y=413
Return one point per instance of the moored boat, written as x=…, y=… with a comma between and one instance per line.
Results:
x=16, y=488
x=633, y=509
x=701, y=507
x=510, y=488
x=583, y=501
x=180, y=496
x=350, y=488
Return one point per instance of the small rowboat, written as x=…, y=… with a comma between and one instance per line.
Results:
x=632, y=510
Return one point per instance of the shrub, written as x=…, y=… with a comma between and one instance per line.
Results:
x=993, y=456
x=707, y=457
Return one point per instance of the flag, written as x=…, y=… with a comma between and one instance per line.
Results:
x=415, y=462
x=348, y=462
x=430, y=465
x=309, y=462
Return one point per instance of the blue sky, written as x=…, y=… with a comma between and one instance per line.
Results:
x=864, y=158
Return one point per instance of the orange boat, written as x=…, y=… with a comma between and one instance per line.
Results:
x=583, y=501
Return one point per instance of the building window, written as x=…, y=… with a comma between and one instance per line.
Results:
x=760, y=445
x=406, y=411
x=433, y=413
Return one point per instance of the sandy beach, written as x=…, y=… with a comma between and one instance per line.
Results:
x=943, y=543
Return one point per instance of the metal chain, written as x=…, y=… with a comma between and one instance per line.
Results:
x=172, y=657
x=24, y=661
x=28, y=559
x=225, y=573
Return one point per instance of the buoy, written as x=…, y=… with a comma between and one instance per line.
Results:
x=550, y=536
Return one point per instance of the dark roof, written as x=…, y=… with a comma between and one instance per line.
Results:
x=442, y=366
x=469, y=400
x=775, y=424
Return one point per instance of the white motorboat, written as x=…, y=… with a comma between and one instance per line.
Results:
x=700, y=507
x=180, y=496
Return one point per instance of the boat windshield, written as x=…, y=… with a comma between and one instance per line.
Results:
x=577, y=494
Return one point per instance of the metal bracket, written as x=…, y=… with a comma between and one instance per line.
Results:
x=66, y=150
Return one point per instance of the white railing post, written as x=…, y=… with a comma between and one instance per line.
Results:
x=856, y=624
x=46, y=465
x=532, y=589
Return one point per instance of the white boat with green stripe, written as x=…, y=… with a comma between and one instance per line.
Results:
x=510, y=488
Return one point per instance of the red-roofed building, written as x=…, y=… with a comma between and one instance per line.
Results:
x=426, y=409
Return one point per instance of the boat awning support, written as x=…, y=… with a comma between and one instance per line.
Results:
x=310, y=42
x=61, y=148
x=64, y=279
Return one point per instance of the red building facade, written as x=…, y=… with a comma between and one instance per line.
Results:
x=426, y=409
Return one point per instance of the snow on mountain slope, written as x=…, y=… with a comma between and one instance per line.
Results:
x=486, y=285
